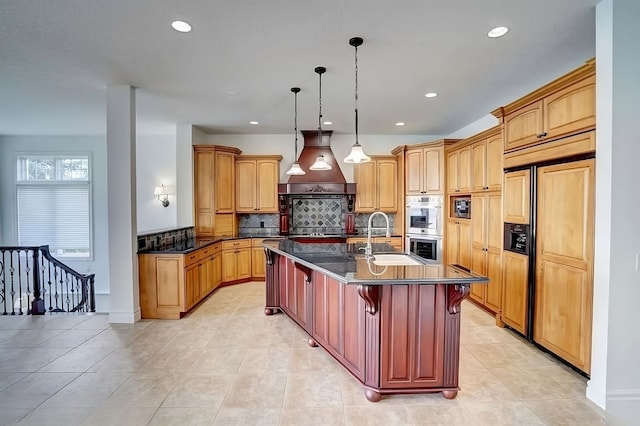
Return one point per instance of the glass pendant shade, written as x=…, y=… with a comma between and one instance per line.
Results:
x=357, y=155
x=296, y=170
x=320, y=164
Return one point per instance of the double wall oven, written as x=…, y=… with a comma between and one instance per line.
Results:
x=424, y=219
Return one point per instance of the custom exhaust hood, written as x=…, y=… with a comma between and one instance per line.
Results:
x=317, y=181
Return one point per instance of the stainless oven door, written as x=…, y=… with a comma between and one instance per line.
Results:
x=424, y=215
x=427, y=247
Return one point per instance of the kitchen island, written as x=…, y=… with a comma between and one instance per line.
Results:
x=389, y=319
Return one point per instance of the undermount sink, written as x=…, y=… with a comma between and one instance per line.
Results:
x=394, y=260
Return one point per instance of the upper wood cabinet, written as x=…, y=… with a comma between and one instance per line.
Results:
x=563, y=107
x=516, y=191
x=257, y=183
x=377, y=185
x=486, y=164
x=214, y=187
x=459, y=170
x=225, y=171
x=425, y=168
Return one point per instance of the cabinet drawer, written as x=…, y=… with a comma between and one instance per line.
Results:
x=193, y=257
x=233, y=244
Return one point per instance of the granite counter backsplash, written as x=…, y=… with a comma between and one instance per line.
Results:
x=153, y=240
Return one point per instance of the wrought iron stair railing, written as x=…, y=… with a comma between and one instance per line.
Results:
x=33, y=282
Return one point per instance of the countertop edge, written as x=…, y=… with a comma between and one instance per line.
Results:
x=356, y=281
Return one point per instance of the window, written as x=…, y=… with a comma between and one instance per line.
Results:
x=53, y=204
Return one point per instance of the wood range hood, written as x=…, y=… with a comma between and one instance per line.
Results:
x=329, y=182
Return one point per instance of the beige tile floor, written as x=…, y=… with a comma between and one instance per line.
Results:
x=229, y=364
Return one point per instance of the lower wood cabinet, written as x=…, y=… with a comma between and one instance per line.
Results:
x=295, y=292
x=236, y=260
x=172, y=284
x=458, y=245
x=258, y=259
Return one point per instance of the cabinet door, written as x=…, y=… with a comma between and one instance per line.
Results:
x=564, y=261
x=464, y=237
x=452, y=172
x=415, y=172
x=516, y=196
x=433, y=170
x=258, y=262
x=479, y=166
x=515, y=287
x=217, y=270
x=246, y=191
x=243, y=263
x=387, y=185
x=229, y=266
x=464, y=169
x=494, y=164
x=366, y=188
x=571, y=110
x=493, y=249
x=204, y=190
x=225, y=182
x=478, y=265
x=192, y=285
x=452, y=242
x=523, y=127
x=268, y=176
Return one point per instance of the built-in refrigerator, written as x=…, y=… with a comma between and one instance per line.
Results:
x=548, y=211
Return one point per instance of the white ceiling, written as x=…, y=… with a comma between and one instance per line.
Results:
x=58, y=57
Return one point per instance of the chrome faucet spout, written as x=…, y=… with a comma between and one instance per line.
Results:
x=367, y=250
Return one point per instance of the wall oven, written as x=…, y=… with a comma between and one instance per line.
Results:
x=424, y=215
x=427, y=247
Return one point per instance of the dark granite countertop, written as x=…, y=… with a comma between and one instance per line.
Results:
x=347, y=263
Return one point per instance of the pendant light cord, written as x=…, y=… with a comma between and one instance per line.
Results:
x=356, y=96
x=320, y=71
x=295, y=120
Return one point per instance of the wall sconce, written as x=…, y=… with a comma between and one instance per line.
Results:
x=163, y=195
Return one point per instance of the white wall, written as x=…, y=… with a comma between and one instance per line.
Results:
x=155, y=165
x=96, y=146
x=480, y=125
x=340, y=145
x=621, y=143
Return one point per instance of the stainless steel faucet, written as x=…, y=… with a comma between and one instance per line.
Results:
x=367, y=250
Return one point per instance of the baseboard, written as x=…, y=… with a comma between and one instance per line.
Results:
x=623, y=406
x=125, y=317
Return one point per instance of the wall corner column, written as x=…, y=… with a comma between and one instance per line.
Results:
x=122, y=213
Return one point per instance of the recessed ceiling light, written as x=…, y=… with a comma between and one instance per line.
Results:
x=430, y=95
x=400, y=123
x=498, y=32
x=328, y=123
x=231, y=92
x=254, y=122
x=181, y=26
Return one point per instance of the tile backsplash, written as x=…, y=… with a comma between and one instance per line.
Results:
x=313, y=214
x=258, y=225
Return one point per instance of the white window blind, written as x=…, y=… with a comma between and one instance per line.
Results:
x=54, y=210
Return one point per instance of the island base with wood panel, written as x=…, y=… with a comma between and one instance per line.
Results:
x=394, y=335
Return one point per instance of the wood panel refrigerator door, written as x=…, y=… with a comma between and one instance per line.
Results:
x=564, y=261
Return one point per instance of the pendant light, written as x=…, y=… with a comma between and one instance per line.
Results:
x=295, y=167
x=357, y=155
x=320, y=163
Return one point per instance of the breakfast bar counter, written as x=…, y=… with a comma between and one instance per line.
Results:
x=390, y=319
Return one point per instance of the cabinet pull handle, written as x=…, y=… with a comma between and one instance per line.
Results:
x=541, y=135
